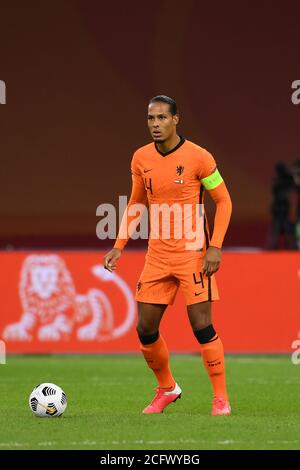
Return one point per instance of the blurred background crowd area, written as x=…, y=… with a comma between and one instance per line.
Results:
x=79, y=75
x=285, y=209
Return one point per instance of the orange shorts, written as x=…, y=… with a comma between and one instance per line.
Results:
x=161, y=278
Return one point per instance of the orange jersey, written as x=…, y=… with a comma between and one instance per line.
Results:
x=176, y=180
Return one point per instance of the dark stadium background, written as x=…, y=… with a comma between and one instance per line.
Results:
x=79, y=75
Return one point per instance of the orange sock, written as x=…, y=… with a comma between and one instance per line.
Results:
x=157, y=357
x=214, y=363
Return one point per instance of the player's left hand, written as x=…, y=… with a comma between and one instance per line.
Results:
x=211, y=260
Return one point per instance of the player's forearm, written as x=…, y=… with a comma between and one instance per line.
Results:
x=120, y=243
x=222, y=199
x=130, y=221
x=133, y=210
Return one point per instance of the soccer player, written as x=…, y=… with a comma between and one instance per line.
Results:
x=172, y=170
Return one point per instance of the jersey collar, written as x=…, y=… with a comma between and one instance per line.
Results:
x=180, y=143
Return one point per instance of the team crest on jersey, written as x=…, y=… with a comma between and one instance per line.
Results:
x=179, y=170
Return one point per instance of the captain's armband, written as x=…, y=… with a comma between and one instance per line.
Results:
x=212, y=181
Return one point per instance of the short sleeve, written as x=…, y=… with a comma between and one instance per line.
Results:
x=136, y=175
x=206, y=165
x=134, y=166
x=207, y=171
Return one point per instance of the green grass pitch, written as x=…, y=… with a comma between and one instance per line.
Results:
x=107, y=393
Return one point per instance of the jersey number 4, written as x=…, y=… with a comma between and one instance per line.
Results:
x=199, y=280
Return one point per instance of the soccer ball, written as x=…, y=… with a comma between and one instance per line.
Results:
x=47, y=401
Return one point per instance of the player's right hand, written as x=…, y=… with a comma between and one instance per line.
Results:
x=110, y=260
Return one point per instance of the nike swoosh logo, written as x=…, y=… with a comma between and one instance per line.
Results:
x=199, y=293
x=146, y=171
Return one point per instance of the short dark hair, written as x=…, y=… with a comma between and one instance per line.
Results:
x=165, y=99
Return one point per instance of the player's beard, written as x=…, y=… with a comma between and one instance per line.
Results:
x=159, y=140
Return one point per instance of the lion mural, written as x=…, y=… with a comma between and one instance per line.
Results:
x=52, y=310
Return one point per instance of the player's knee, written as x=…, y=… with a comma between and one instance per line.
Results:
x=200, y=315
x=200, y=321
x=204, y=335
x=146, y=335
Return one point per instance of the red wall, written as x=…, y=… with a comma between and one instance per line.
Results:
x=258, y=311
